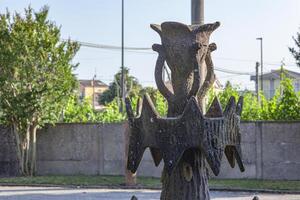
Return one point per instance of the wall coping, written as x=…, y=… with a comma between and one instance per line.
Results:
x=120, y=123
x=271, y=121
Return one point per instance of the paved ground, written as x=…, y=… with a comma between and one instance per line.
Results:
x=58, y=193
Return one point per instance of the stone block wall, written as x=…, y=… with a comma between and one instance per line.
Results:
x=270, y=151
x=8, y=154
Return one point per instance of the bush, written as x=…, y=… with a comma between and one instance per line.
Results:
x=285, y=105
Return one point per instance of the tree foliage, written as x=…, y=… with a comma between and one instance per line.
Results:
x=132, y=87
x=285, y=105
x=82, y=111
x=78, y=111
x=296, y=50
x=36, y=77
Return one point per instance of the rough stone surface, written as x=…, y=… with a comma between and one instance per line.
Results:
x=186, y=139
x=8, y=156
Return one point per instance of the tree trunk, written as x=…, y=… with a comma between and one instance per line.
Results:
x=26, y=150
x=18, y=149
x=189, y=179
x=33, y=150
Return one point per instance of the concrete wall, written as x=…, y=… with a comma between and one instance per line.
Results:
x=86, y=149
x=270, y=151
x=280, y=153
x=8, y=156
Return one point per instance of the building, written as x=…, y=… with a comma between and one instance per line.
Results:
x=92, y=89
x=271, y=81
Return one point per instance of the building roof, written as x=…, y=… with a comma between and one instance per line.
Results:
x=89, y=83
x=275, y=74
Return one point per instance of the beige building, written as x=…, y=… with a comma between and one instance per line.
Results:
x=92, y=89
x=271, y=81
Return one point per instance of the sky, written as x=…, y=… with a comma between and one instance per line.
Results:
x=99, y=21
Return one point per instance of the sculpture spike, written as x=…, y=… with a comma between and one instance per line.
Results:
x=156, y=28
x=129, y=110
x=215, y=109
x=139, y=105
x=156, y=156
x=136, y=151
x=192, y=108
x=208, y=28
x=230, y=107
x=239, y=106
x=238, y=154
x=229, y=152
x=148, y=109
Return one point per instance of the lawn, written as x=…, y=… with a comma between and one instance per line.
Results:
x=118, y=181
x=79, y=180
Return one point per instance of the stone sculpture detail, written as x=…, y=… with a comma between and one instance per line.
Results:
x=186, y=137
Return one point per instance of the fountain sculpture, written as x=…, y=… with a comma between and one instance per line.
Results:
x=186, y=139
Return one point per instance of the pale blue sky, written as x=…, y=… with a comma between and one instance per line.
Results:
x=98, y=21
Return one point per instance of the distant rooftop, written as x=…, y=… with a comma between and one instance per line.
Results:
x=89, y=83
x=275, y=74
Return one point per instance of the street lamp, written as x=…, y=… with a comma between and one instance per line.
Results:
x=122, y=61
x=261, y=62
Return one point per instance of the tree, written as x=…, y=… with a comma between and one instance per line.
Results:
x=36, y=77
x=284, y=105
x=83, y=112
x=227, y=93
x=296, y=51
x=78, y=111
x=132, y=87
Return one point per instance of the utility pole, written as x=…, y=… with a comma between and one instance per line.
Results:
x=197, y=18
x=122, y=61
x=261, y=63
x=281, y=69
x=256, y=80
x=197, y=11
x=93, y=82
x=281, y=75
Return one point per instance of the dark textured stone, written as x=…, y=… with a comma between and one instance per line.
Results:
x=173, y=136
x=134, y=198
x=185, y=138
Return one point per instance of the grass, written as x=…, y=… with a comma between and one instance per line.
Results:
x=149, y=182
x=80, y=180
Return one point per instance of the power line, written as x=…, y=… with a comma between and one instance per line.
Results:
x=145, y=50
x=233, y=71
x=111, y=47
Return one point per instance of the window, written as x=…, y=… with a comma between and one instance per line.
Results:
x=297, y=85
x=272, y=89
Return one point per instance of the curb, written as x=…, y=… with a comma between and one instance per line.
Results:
x=254, y=190
x=139, y=187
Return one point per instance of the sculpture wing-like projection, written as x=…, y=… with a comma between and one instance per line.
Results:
x=168, y=138
x=232, y=141
x=141, y=135
x=213, y=140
